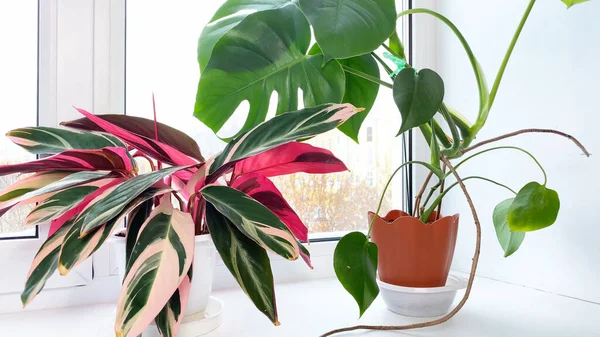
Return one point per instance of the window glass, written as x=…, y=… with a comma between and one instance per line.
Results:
x=18, y=83
x=161, y=59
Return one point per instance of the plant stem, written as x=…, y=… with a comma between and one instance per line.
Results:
x=511, y=148
x=383, y=64
x=520, y=132
x=453, y=129
x=481, y=119
x=442, y=185
x=438, y=201
x=420, y=195
x=441, y=135
x=387, y=185
x=367, y=76
x=469, y=284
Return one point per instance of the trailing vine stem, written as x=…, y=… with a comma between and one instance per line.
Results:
x=420, y=195
x=520, y=132
x=469, y=283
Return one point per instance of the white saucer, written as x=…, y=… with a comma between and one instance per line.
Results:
x=198, y=324
x=422, y=302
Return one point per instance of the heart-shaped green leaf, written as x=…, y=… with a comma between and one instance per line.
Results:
x=510, y=241
x=355, y=264
x=418, y=96
x=571, y=3
x=347, y=28
x=229, y=15
x=535, y=207
x=266, y=52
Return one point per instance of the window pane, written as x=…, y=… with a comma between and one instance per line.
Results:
x=18, y=83
x=161, y=58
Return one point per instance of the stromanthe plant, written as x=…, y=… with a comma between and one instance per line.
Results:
x=251, y=49
x=91, y=182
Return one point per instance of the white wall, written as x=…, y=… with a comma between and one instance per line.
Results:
x=551, y=82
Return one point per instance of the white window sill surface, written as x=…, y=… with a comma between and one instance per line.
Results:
x=311, y=308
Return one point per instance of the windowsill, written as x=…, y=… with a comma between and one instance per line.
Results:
x=312, y=308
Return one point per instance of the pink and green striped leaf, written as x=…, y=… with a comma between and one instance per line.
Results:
x=253, y=219
x=114, y=201
x=144, y=128
x=44, y=265
x=148, y=145
x=20, y=190
x=283, y=129
x=45, y=140
x=158, y=264
x=61, y=202
x=106, y=159
x=246, y=260
x=50, y=184
x=76, y=249
x=291, y=158
x=169, y=320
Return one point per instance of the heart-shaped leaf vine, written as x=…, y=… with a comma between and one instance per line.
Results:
x=355, y=264
x=266, y=52
x=418, y=96
x=535, y=207
x=510, y=241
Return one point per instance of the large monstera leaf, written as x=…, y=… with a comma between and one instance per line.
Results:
x=229, y=15
x=346, y=28
x=266, y=52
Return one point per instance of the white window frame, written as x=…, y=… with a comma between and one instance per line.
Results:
x=82, y=63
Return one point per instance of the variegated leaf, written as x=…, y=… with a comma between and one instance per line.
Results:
x=50, y=184
x=253, y=219
x=283, y=129
x=135, y=220
x=153, y=148
x=158, y=264
x=142, y=133
x=76, y=249
x=44, y=264
x=113, y=202
x=45, y=140
x=106, y=159
x=247, y=261
x=170, y=317
x=18, y=191
x=62, y=201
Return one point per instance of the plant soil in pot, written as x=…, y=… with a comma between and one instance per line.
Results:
x=412, y=253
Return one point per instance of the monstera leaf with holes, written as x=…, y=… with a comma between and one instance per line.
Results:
x=90, y=184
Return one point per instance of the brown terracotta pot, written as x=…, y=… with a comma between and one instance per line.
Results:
x=411, y=253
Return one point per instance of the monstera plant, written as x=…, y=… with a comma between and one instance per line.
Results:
x=91, y=182
x=251, y=49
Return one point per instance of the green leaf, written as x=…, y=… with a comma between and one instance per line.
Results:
x=246, y=260
x=510, y=241
x=58, y=204
x=114, y=201
x=396, y=46
x=44, y=140
x=571, y=3
x=228, y=16
x=418, y=96
x=253, y=219
x=347, y=28
x=283, y=129
x=355, y=264
x=158, y=264
x=266, y=52
x=535, y=207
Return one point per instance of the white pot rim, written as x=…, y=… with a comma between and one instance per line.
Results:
x=454, y=283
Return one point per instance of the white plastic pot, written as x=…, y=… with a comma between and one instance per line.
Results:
x=204, y=264
x=422, y=302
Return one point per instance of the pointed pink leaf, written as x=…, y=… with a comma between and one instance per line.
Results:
x=264, y=191
x=153, y=148
x=106, y=159
x=291, y=158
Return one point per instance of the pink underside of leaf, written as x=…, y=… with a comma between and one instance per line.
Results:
x=75, y=211
x=264, y=191
x=291, y=158
x=174, y=156
x=184, y=295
